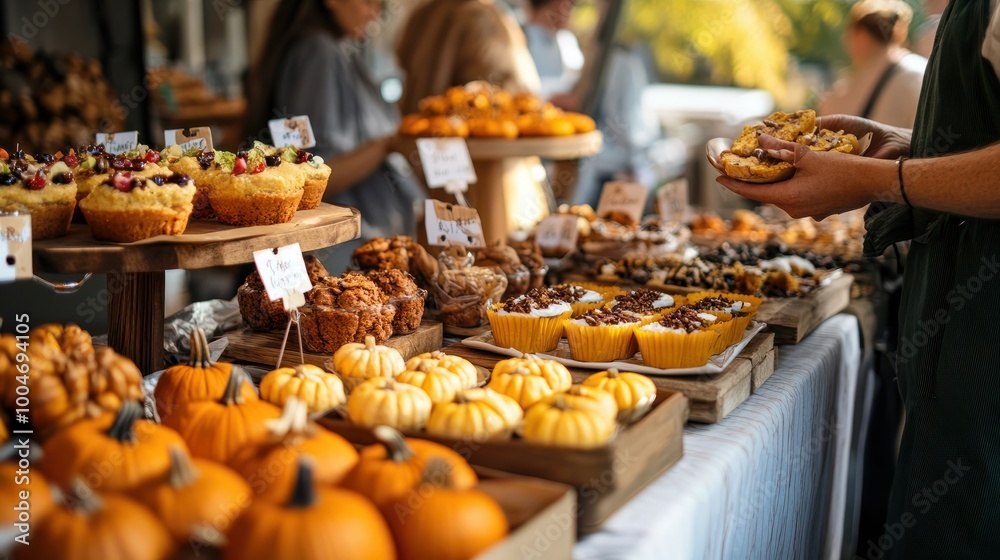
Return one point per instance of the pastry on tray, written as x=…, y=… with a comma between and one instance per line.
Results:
x=602, y=335
x=127, y=208
x=747, y=161
x=404, y=295
x=257, y=309
x=530, y=323
x=644, y=304
x=345, y=309
x=684, y=338
x=248, y=188
x=41, y=187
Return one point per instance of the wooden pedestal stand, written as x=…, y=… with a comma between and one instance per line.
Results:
x=496, y=160
x=135, y=297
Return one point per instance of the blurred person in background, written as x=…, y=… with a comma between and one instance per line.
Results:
x=449, y=43
x=923, y=36
x=553, y=47
x=312, y=65
x=883, y=81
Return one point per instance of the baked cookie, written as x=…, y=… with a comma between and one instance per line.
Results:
x=784, y=126
x=758, y=167
x=830, y=141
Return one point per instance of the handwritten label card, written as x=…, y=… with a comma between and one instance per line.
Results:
x=284, y=274
x=199, y=137
x=15, y=247
x=557, y=233
x=450, y=224
x=446, y=163
x=118, y=142
x=296, y=132
x=621, y=198
x=672, y=201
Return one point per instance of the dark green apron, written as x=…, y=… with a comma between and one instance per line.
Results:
x=946, y=494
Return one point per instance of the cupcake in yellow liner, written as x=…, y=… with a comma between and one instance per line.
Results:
x=579, y=298
x=530, y=323
x=740, y=313
x=601, y=335
x=644, y=304
x=682, y=339
x=753, y=302
x=127, y=208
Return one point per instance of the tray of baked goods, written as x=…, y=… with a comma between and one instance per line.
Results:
x=380, y=306
x=526, y=417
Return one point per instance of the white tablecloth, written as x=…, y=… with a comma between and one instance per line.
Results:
x=769, y=481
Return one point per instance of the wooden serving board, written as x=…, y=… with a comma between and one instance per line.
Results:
x=793, y=319
x=262, y=347
x=605, y=477
x=711, y=397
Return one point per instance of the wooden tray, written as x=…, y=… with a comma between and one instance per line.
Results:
x=605, y=478
x=262, y=347
x=711, y=397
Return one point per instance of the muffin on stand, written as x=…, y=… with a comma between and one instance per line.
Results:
x=47, y=194
x=126, y=208
x=245, y=189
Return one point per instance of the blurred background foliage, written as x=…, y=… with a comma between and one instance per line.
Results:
x=791, y=48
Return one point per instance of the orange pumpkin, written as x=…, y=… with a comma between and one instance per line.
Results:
x=217, y=430
x=316, y=523
x=39, y=497
x=195, y=498
x=113, y=453
x=391, y=469
x=200, y=379
x=441, y=522
x=269, y=467
x=108, y=527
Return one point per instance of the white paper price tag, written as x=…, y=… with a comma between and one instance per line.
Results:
x=672, y=201
x=557, y=233
x=199, y=137
x=283, y=272
x=446, y=163
x=296, y=132
x=15, y=247
x=450, y=224
x=621, y=199
x=118, y=142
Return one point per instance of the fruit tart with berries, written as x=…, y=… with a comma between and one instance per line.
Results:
x=40, y=186
x=130, y=207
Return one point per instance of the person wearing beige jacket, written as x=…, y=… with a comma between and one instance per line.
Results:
x=449, y=43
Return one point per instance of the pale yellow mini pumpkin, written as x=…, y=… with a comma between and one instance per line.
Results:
x=368, y=360
x=459, y=366
x=588, y=398
x=440, y=384
x=476, y=414
x=633, y=392
x=555, y=374
x=318, y=389
x=382, y=400
x=563, y=423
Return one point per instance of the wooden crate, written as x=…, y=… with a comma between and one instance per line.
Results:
x=262, y=347
x=711, y=397
x=792, y=319
x=605, y=477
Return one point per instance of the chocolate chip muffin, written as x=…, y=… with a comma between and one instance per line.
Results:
x=345, y=309
x=385, y=254
x=404, y=294
x=258, y=311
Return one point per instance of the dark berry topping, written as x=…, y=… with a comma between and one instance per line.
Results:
x=63, y=178
x=242, y=154
x=45, y=158
x=7, y=180
x=205, y=159
x=272, y=161
x=179, y=179
x=17, y=154
x=158, y=179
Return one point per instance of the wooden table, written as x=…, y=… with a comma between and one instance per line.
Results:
x=135, y=304
x=497, y=162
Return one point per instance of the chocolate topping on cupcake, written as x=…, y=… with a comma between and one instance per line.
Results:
x=640, y=301
x=684, y=318
x=605, y=317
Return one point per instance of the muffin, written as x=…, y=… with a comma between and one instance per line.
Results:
x=530, y=323
x=684, y=338
x=345, y=309
x=45, y=190
x=93, y=165
x=246, y=189
x=404, y=295
x=643, y=304
x=505, y=259
x=740, y=314
x=194, y=164
x=315, y=172
x=127, y=208
x=602, y=335
x=384, y=253
x=257, y=309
